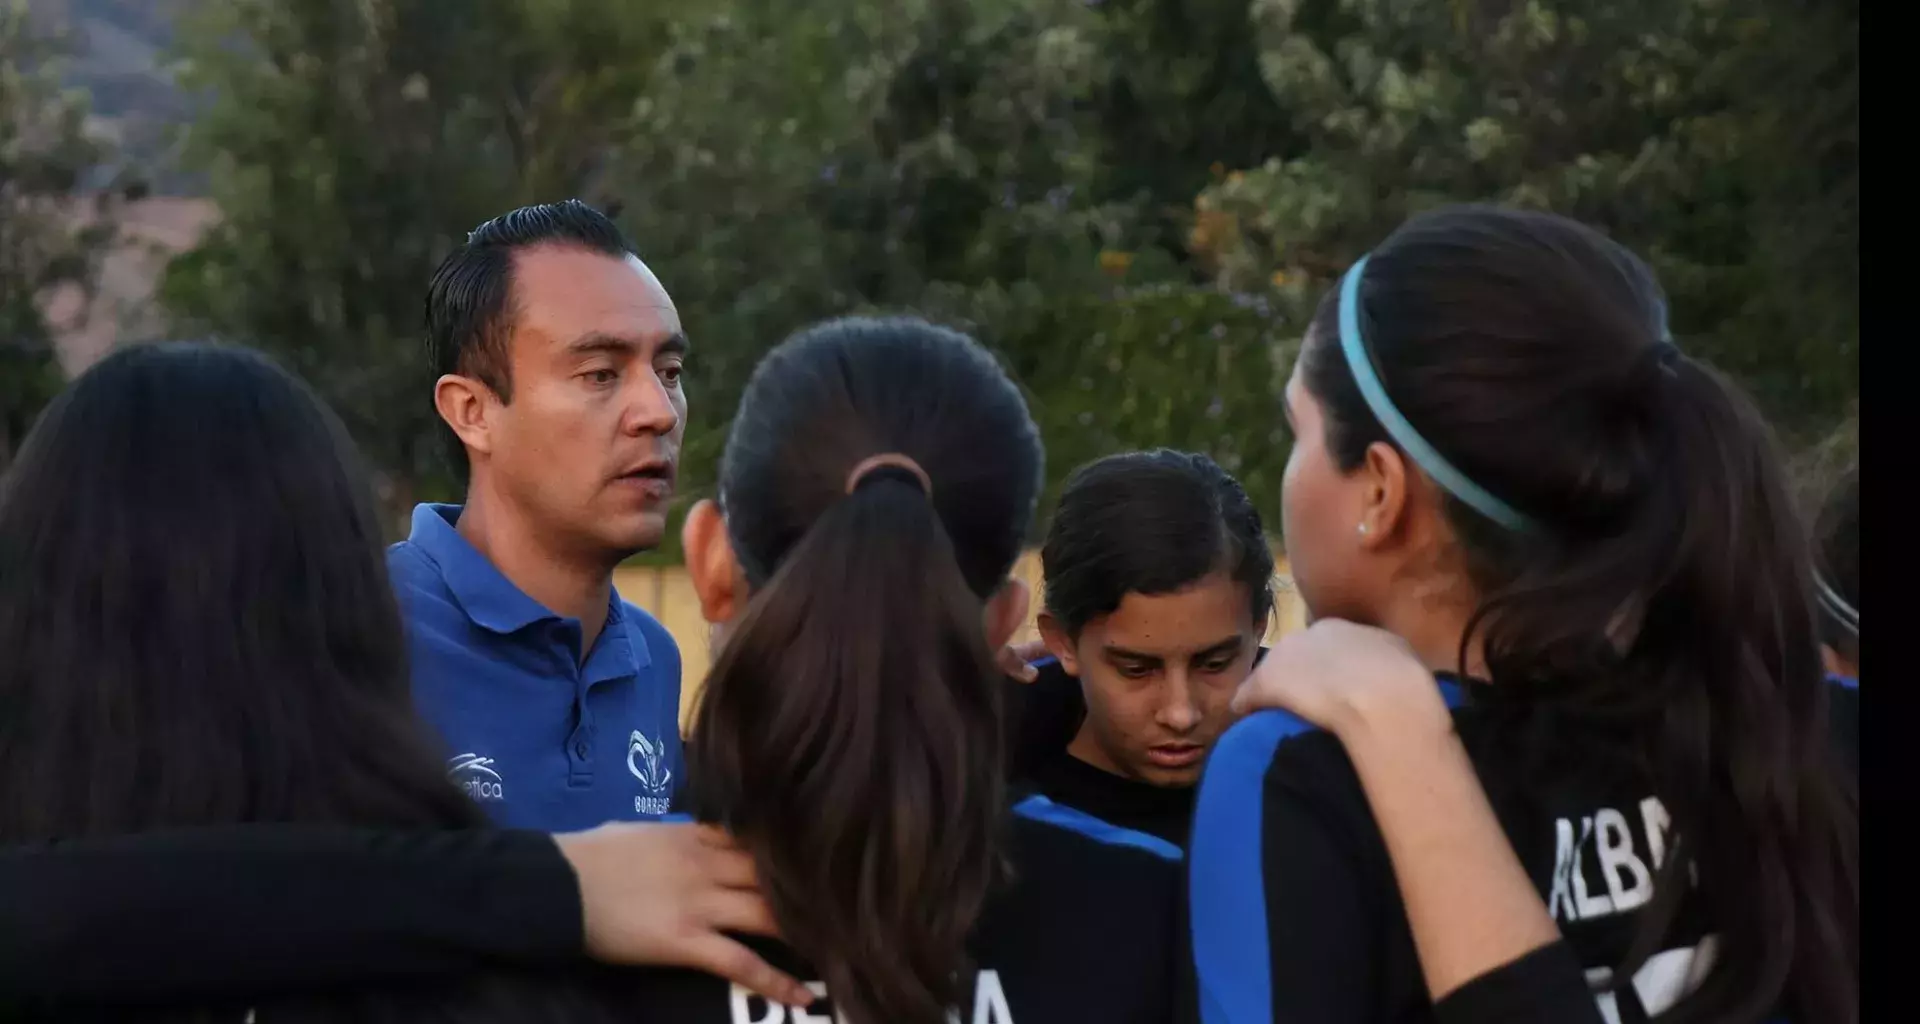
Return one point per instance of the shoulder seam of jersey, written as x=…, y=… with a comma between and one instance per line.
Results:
x=1038, y=808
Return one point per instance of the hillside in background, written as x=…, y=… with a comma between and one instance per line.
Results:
x=119, y=57
x=118, y=54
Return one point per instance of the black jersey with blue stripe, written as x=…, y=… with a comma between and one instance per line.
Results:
x=1087, y=929
x=1043, y=716
x=1296, y=916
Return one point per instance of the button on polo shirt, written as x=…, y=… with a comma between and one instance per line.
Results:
x=537, y=736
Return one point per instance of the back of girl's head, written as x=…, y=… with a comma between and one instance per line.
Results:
x=849, y=732
x=195, y=612
x=1837, y=551
x=1150, y=523
x=1655, y=586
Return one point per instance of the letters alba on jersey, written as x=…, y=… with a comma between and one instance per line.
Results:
x=1607, y=840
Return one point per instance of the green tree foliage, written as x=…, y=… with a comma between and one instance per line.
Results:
x=1132, y=201
x=1161, y=365
x=50, y=235
x=955, y=167
x=728, y=178
x=861, y=158
x=1793, y=77
x=1182, y=97
x=1669, y=123
x=350, y=146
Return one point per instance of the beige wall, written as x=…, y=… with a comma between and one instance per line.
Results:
x=669, y=596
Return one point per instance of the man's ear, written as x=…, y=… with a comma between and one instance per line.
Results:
x=1059, y=643
x=1006, y=612
x=463, y=404
x=711, y=566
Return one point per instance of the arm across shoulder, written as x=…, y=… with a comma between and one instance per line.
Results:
x=272, y=907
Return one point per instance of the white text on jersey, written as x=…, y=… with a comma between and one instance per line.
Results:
x=989, y=1006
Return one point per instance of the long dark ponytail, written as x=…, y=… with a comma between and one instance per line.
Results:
x=849, y=733
x=1657, y=613
x=196, y=628
x=195, y=616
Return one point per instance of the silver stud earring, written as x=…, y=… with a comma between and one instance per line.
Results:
x=1363, y=529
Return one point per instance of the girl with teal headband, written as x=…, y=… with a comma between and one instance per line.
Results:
x=1505, y=476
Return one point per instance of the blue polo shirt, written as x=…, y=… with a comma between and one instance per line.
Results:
x=540, y=738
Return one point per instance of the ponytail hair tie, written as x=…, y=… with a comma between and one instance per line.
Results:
x=889, y=464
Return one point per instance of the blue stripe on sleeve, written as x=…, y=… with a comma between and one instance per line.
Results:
x=1226, y=888
x=1226, y=881
x=1039, y=808
x=1845, y=682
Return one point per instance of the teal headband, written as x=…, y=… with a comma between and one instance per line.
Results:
x=1423, y=454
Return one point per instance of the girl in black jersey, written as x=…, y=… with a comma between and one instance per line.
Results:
x=877, y=484
x=1488, y=950
x=1158, y=588
x=199, y=632
x=1503, y=460
x=1084, y=899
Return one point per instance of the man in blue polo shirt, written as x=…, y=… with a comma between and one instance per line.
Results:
x=559, y=358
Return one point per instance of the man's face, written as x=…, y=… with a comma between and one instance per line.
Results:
x=589, y=444
x=1158, y=674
